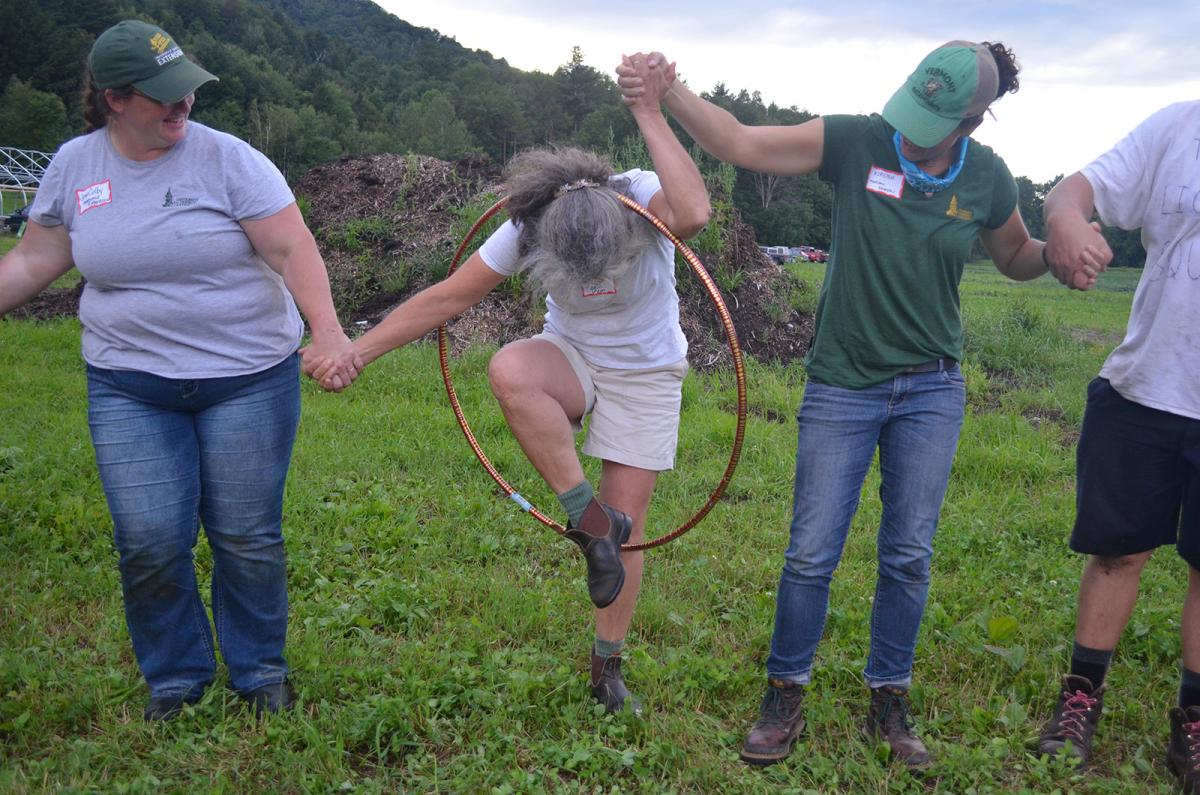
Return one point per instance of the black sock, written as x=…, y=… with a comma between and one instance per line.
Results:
x=1189, y=689
x=1090, y=663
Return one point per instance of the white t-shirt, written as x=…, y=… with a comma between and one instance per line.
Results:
x=627, y=325
x=1151, y=180
x=174, y=287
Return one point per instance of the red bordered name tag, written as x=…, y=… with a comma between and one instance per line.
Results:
x=597, y=289
x=885, y=182
x=94, y=196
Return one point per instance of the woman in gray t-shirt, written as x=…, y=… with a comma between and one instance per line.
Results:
x=195, y=257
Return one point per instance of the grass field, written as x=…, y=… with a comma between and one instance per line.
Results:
x=439, y=637
x=13, y=200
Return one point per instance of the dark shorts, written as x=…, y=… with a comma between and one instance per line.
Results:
x=1137, y=483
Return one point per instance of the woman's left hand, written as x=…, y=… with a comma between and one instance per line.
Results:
x=331, y=361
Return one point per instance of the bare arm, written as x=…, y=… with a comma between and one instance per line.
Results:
x=41, y=256
x=284, y=242
x=794, y=149
x=682, y=204
x=429, y=308
x=1014, y=252
x=1075, y=249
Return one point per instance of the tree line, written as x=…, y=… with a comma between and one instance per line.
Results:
x=309, y=81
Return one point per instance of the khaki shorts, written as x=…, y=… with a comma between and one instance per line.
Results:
x=634, y=413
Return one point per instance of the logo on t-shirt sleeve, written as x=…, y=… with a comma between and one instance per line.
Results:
x=94, y=196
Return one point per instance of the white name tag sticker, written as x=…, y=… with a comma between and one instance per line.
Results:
x=595, y=289
x=94, y=196
x=885, y=182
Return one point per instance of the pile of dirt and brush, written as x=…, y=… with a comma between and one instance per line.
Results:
x=388, y=226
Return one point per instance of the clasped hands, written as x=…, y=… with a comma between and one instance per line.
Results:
x=645, y=78
x=331, y=360
x=1076, y=253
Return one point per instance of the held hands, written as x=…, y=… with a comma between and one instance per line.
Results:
x=331, y=360
x=645, y=79
x=1076, y=253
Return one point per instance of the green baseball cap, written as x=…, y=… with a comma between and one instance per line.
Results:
x=138, y=54
x=954, y=82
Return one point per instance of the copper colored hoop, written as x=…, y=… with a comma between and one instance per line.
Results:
x=734, y=348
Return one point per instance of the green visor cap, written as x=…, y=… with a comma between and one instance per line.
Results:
x=954, y=82
x=138, y=54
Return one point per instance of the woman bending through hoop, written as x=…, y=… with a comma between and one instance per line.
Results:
x=612, y=347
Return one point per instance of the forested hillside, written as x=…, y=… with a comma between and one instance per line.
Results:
x=308, y=81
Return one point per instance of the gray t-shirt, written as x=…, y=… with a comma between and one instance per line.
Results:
x=174, y=287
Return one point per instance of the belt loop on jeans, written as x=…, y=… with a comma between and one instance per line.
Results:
x=935, y=366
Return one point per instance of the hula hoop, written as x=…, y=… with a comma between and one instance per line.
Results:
x=734, y=348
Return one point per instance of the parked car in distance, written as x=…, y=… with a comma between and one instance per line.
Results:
x=811, y=254
x=777, y=253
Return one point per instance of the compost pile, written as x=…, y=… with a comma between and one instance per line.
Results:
x=388, y=225
x=420, y=197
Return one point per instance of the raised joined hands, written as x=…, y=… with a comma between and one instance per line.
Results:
x=645, y=78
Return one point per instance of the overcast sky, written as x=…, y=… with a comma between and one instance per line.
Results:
x=1090, y=70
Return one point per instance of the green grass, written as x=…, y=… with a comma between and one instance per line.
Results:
x=13, y=200
x=439, y=636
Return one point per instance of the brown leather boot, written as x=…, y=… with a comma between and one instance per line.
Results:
x=888, y=719
x=1074, y=720
x=780, y=722
x=608, y=686
x=1183, y=754
x=601, y=532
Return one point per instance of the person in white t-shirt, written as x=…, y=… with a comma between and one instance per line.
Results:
x=1138, y=465
x=611, y=348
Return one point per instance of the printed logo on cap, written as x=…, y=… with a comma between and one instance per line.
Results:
x=159, y=42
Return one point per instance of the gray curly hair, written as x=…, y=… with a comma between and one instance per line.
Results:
x=574, y=229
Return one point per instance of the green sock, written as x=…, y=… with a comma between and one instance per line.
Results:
x=607, y=648
x=575, y=501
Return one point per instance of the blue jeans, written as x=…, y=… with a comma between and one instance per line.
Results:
x=175, y=454
x=914, y=420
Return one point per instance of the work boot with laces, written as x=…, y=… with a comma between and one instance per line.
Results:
x=608, y=685
x=1074, y=720
x=780, y=722
x=1183, y=754
x=888, y=719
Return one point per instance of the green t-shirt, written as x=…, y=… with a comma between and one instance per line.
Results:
x=890, y=297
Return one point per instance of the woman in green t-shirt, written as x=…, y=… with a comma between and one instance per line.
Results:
x=912, y=192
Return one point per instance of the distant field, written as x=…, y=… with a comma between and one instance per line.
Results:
x=439, y=636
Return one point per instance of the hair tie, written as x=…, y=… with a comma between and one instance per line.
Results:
x=576, y=185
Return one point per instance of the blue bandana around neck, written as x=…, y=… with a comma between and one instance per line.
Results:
x=923, y=182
